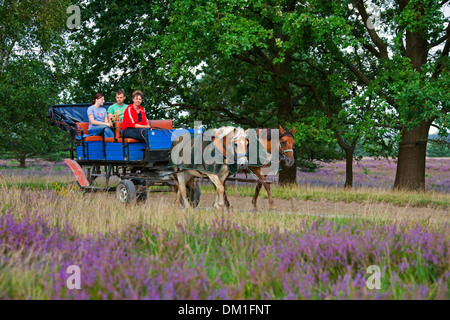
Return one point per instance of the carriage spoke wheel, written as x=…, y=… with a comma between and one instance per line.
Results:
x=126, y=191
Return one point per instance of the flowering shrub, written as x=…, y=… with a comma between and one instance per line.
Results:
x=325, y=259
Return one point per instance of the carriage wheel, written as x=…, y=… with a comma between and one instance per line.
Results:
x=126, y=191
x=193, y=194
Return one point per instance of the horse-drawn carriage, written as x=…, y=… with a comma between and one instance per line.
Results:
x=137, y=168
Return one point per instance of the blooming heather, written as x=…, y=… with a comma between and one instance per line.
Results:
x=324, y=259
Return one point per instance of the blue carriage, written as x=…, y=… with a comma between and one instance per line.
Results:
x=137, y=168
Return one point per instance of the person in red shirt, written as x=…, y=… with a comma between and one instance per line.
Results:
x=135, y=124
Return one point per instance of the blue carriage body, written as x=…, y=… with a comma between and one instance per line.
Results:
x=136, y=166
x=69, y=118
x=159, y=140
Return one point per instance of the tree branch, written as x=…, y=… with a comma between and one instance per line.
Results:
x=368, y=46
x=245, y=59
x=382, y=47
x=317, y=97
x=358, y=73
x=445, y=53
x=298, y=98
x=310, y=64
x=267, y=61
x=441, y=40
x=7, y=56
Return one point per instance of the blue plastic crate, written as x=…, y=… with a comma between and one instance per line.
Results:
x=158, y=139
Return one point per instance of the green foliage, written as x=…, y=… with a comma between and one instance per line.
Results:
x=28, y=87
x=438, y=147
x=315, y=142
x=267, y=63
x=28, y=25
x=32, y=75
x=117, y=47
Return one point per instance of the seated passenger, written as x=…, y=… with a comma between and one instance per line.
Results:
x=98, y=119
x=135, y=125
x=118, y=108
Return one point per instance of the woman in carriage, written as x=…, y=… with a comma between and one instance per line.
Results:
x=135, y=124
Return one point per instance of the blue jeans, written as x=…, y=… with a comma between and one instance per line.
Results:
x=137, y=134
x=97, y=131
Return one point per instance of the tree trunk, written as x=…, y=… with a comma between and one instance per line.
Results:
x=348, y=168
x=22, y=159
x=349, y=150
x=287, y=175
x=410, y=175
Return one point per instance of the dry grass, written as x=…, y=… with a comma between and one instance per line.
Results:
x=95, y=213
x=100, y=212
x=56, y=198
x=360, y=195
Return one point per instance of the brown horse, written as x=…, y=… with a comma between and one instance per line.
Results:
x=286, y=152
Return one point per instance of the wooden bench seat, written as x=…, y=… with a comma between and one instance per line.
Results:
x=83, y=128
x=118, y=136
x=161, y=124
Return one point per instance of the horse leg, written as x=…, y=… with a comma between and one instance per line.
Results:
x=178, y=198
x=182, y=180
x=224, y=181
x=267, y=186
x=255, y=196
x=262, y=179
x=219, y=191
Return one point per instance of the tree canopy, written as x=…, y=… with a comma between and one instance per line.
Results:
x=388, y=71
x=32, y=75
x=348, y=73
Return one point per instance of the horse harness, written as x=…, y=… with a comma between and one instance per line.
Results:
x=283, y=152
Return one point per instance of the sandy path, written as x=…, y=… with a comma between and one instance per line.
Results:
x=325, y=208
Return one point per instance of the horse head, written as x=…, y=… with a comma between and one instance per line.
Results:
x=235, y=144
x=287, y=146
x=240, y=141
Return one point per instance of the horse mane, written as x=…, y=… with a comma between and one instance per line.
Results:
x=268, y=134
x=224, y=131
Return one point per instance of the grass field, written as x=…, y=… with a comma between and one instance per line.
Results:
x=158, y=251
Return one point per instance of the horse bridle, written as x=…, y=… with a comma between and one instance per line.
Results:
x=283, y=152
x=237, y=155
